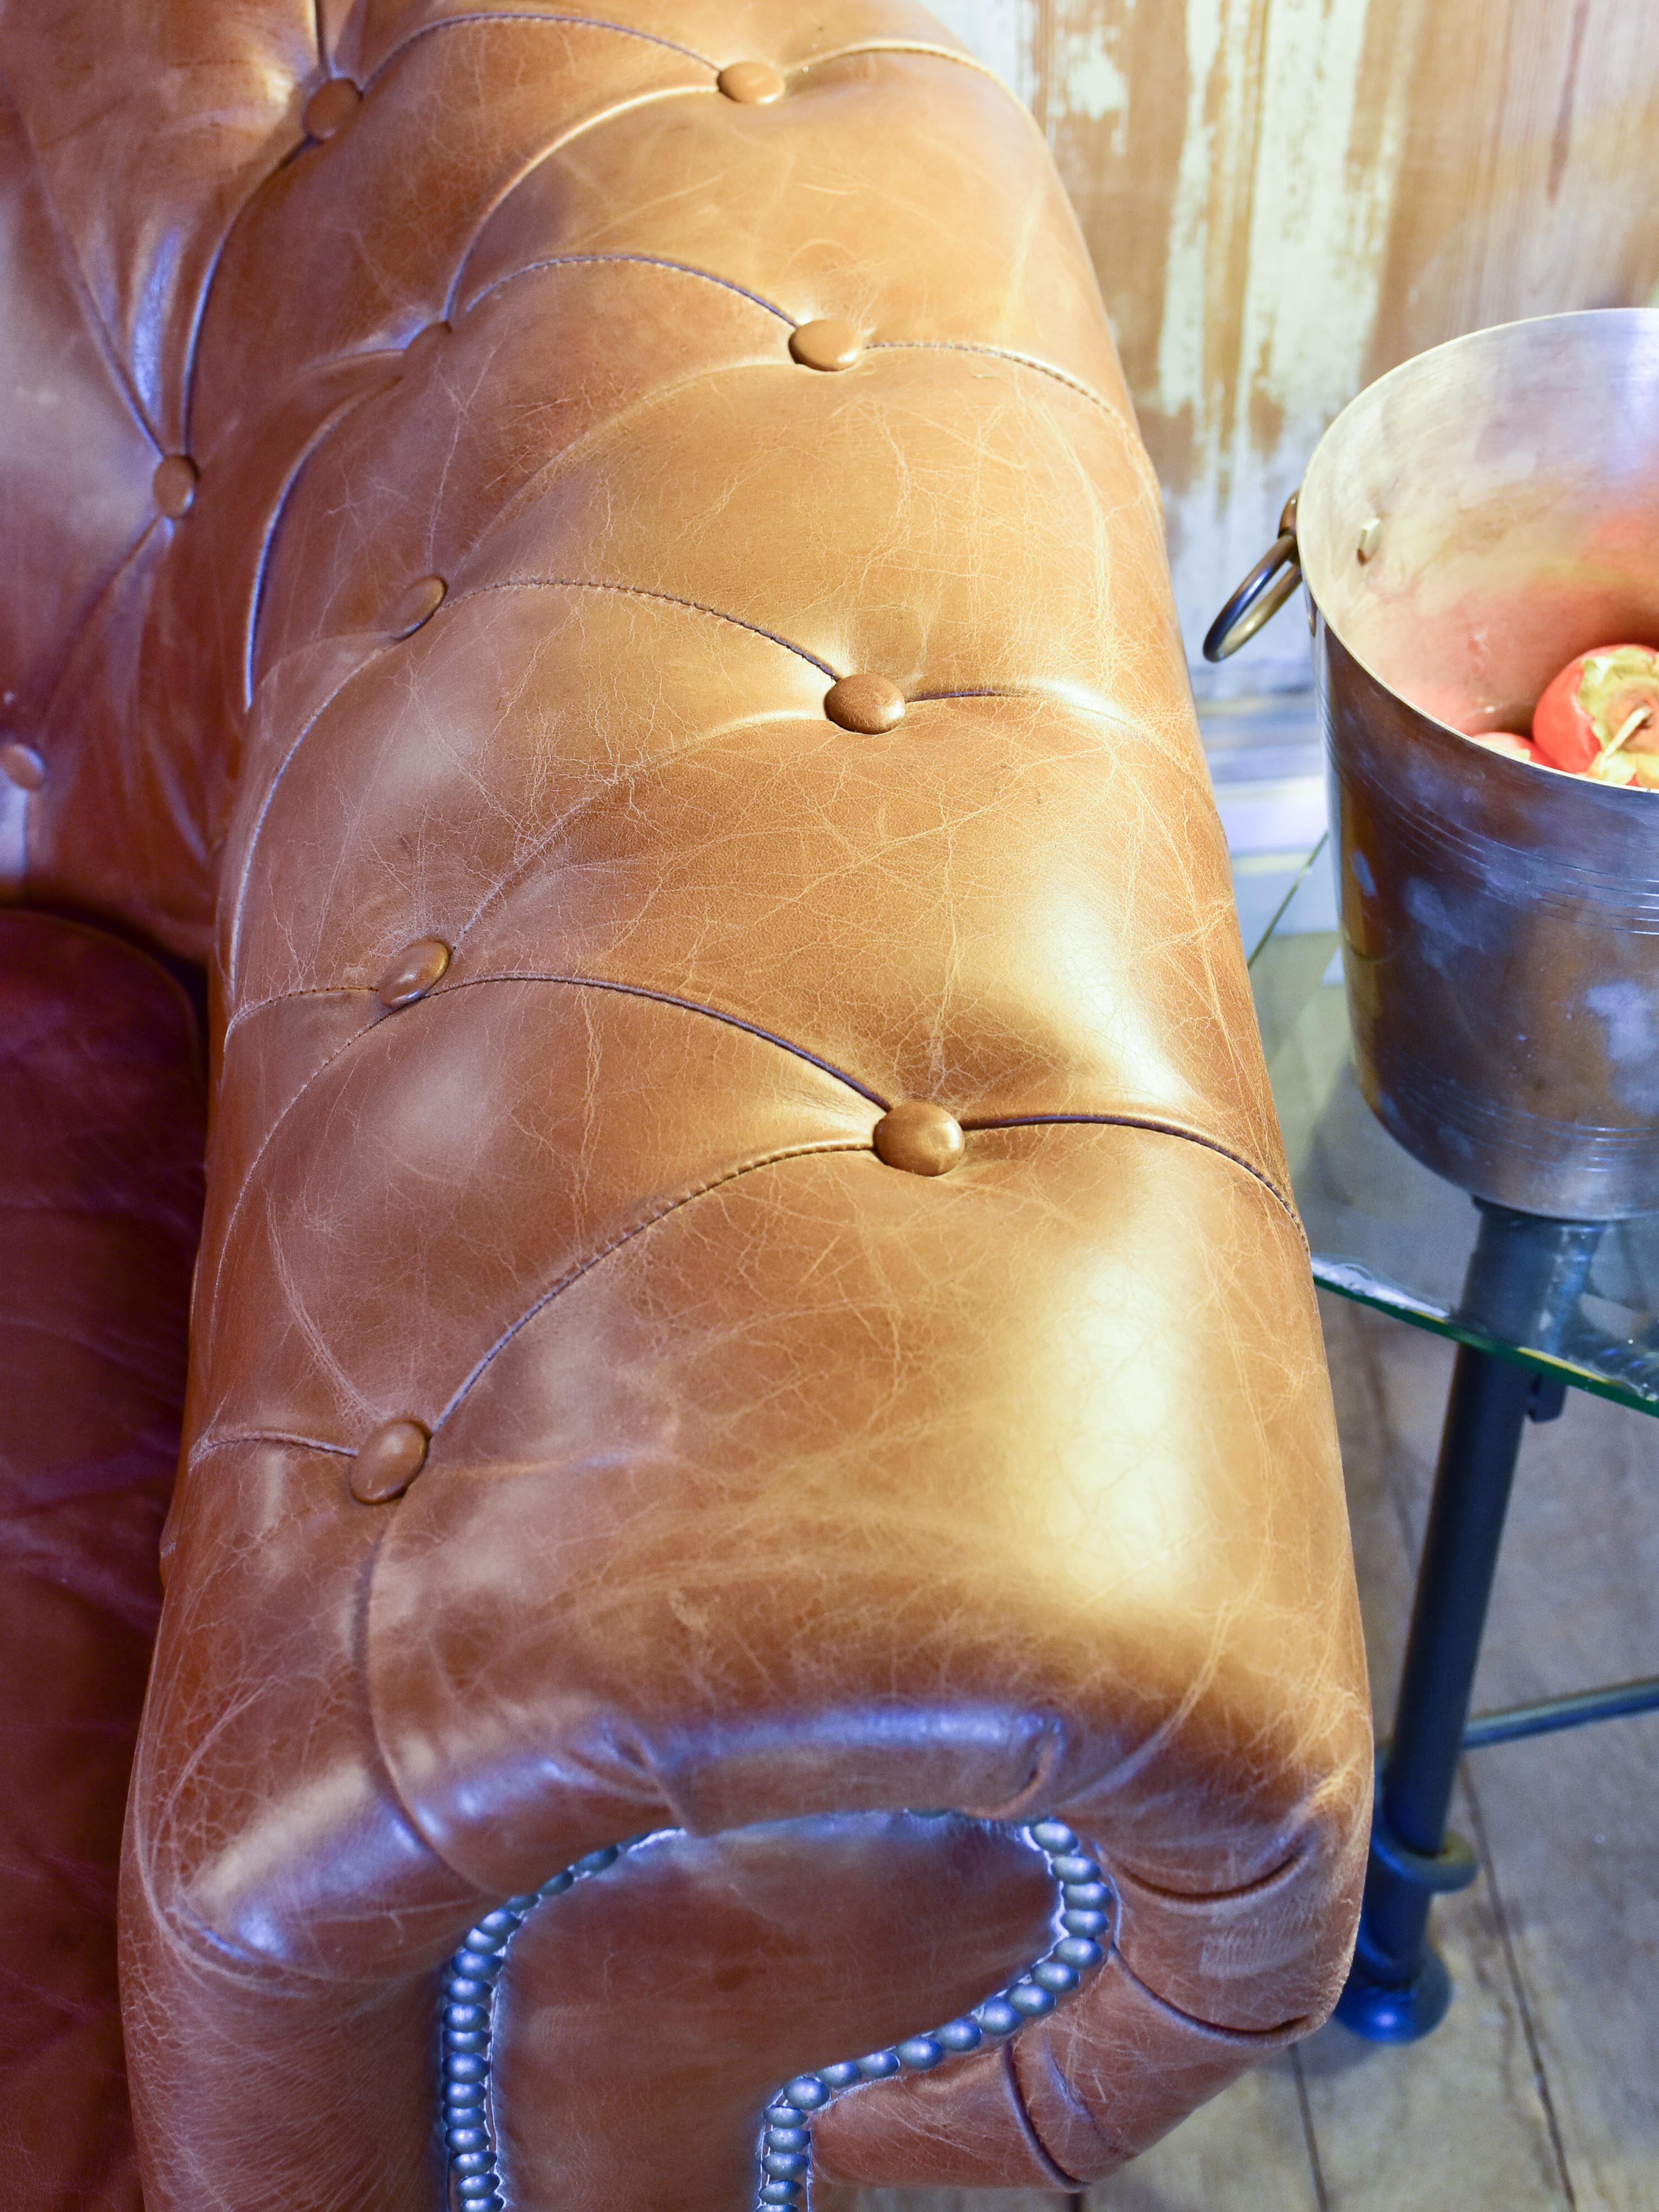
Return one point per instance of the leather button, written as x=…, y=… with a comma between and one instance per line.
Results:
x=414, y=972
x=827, y=344
x=173, y=487
x=418, y=604
x=753, y=84
x=868, y=704
x=388, y=1462
x=919, y=1137
x=331, y=107
x=21, y=765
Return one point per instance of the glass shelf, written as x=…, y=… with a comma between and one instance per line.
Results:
x=1386, y=1230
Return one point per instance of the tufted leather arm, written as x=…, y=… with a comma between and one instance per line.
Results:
x=748, y=1282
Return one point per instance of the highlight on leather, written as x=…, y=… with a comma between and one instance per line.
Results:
x=614, y=595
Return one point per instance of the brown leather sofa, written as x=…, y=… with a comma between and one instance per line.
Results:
x=756, y=1430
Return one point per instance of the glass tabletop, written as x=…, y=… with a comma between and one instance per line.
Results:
x=1389, y=1232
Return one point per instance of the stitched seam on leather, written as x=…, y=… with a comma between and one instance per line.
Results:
x=375, y=654
x=647, y=260
x=238, y=430
x=1060, y=698
x=607, y=427
x=210, y=1442
x=945, y=54
x=637, y=592
x=688, y=1006
x=576, y=982
x=1001, y=353
x=516, y=15
x=545, y=153
x=286, y=491
x=245, y=1013
x=1023, y=2117
x=77, y=274
x=734, y=1020
x=626, y=1236
x=612, y=424
x=608, y=431
x=209, y=279
x=626, y=107
x=672, y=757
x=1161, y=1129
x=910, y=46
x=1059, y=694
x=49, y=710
x=208, y=1298
x=187, y=391
x=204, y=1942
x=664, y=999
x=455, y=600
x=603, y=795
x=521, y=868
x=69, y=261
x=877, y=345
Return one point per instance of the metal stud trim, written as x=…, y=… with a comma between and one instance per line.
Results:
x=1083, y=1937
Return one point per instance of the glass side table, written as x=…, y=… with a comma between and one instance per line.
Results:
x=1536, y=1307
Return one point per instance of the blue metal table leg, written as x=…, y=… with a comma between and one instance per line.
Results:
x=1525, y=1277
x=1399, y=1989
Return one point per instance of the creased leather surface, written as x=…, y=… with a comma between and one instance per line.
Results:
x=767, y=1484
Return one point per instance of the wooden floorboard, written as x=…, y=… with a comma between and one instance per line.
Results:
x=1574, y=1827
x=1247, y=2151
x=1540, y=2092
x=1461, y=2120
x=1571, y=1822
x=937, y=2200
x=1458, y=2121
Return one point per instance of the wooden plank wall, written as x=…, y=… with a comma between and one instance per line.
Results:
x=1286, y=197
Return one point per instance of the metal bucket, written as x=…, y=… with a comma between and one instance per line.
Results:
x=1468, y=526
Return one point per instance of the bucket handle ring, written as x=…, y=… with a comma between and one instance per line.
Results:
x=1272, y=581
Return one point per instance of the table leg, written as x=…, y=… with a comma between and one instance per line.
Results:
x=1526, y=1276
x=1399, y=1989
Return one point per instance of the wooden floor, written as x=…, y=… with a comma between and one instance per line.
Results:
x=1541, y=2090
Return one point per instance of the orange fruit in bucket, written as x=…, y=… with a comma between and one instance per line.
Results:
x=1600, y=716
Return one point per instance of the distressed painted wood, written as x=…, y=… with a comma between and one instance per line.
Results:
x=1286, y=197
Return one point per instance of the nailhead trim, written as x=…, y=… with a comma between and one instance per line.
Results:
x=468, y=2002
x=786, y=2143
x=786, y=2139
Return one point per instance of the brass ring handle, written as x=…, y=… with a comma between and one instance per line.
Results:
x=1272, y=581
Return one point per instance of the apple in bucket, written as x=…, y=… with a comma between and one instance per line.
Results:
x=1599, y=717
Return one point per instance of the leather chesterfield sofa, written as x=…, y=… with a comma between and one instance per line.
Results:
x=758, y=1595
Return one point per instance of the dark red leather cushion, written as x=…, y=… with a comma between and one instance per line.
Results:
x=101, y=1108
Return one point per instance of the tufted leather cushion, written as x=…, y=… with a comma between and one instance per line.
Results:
x=613, y=591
